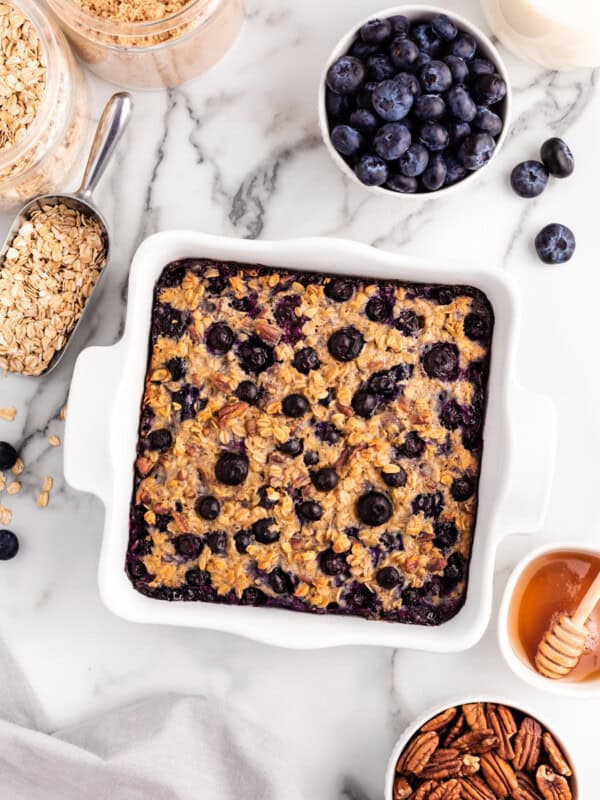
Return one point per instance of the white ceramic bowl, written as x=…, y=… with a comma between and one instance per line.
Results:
x=102, y=426
x=516, y=660
x=414, y=727
x=417, y=11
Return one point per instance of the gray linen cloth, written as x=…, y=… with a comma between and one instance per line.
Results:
x=169, y=747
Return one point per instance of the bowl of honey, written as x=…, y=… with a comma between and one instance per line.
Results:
x=547, y=584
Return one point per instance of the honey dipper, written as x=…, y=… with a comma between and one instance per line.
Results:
x=563, y=644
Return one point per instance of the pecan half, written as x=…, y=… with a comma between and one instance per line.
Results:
x=449, y=790
x=527, y=745
x=417, y=754
x=267, y=332
x=144, y=465
x=474, y=788
x=557, y=759
x=551, y=785
x=475, y=716
x=498, y=774
x=455, y=731
x=439, y=722
x=402, y=788
x=444, y=763
x=476, y=742
x=527, y=789
x=502, y=722
x=220, y=382
x=425, y=790
x=231, y=411
x=470, y=764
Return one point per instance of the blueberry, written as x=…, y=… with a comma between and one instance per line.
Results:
x=378, y=309
x=8, y=456
x=388, y=578
x=558, y=158
x=412, y=447
x=311, y=458
x=410, y=82
x=487, y=121
x=176, y=367
x=455, y=571
x=346, y=344
x=160, y=440
x=441, y=361
x=328, y=399
x=458, y=131
x=446, y=534
x=295, y=406
x=476, y=150
x=476, y=327
x=408, y=323
x=426, y=39
x=371, y=170
x=451, y=415
x=374, y=508
x=529, y=179
x=346, y=75
x=462, y=488
x=414, y=161
x=247, y=392
x=555, y=244
x=392, y=101
x=188, y=545
x=402, y=372
x=364, y=121
x=429, y=108
x=208, y=507
x=364, y=403
x=242, y=539
x=217, y=542
x=434, y=136
x=197, y=577
x=430, y=505
x=360, y=598
x=362, y=50
x=293, y=447
x=455, y=170
x=306, y=359
x=337, y=105
x=435, y=77
x=460, y=104
x=395, y=480
x=400, y=24
x=162, y=521
x=376, y=31
x=327, y=432
x=481, y=66
x=325, y=479
x=280, y=581
x=9, y=545
x=216, y=286
x=252, y=596
x=219, y=338
x=263, y=531
x=364, y=99
x=458, y=67
x=346, y=140
x=310, y=510
x=380, y=68
x=332, y=563
x=339, y=289
x=402, y=184
x=434, y=176
x=255, y=355
x=391, y=141
x=138, y=571
x=443, y=26
x=489, y=89
x=232, y=468
x=169, y=321
x=464, y=46
x=383, y=383
x=403, y=53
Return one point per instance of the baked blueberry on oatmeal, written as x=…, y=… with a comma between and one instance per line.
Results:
x=310, y=442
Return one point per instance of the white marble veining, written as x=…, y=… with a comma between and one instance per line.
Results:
x=238, y=152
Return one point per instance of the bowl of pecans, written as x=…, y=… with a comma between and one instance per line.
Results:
x=480, y=750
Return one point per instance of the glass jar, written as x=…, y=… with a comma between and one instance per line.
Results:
x=157, y=54
x=42, y=160
x=555, y=34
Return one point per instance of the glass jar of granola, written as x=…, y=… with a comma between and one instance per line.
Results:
x=150, y=44
x=43, y=104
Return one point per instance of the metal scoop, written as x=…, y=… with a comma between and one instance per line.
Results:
x=110, y=128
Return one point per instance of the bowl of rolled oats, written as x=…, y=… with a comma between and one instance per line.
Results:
x=43, y=104
x=480, y=750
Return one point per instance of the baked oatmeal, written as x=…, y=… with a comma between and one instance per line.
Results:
x=310, y=442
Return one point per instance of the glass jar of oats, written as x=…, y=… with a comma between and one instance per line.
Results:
x=43, y=104
x=150, y=44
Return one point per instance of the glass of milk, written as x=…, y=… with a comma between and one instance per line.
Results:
x=559, y=34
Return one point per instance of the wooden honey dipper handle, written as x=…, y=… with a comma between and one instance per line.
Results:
x=587, y=605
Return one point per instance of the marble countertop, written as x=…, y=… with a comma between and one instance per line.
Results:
x=238, y=153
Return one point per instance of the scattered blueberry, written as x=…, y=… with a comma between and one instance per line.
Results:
x=555, y=244
x=339, y=289
x=8, y=456
x=388, y=578
x=305, y=360
x=220, y=338
x=332, y=563
x=429, y=108
x=414, y=161
x=488, y=121
x=476, y=150
x=346, y=75
x=242, y=539
x=529, y=179
x=408, y=322
x=177, y=368
x=446, y=534
x=403, y=53
x=264, y=531
x=458, y=67
x=489, y=89
x=188, y=545
x=403, y=184
x=430, y=505
x=364, y=403
x=435, y=77
x=325, y=479
x=441, y=361
x=378, y=309
x=346, y=344
x=463, y=46
x=443, y=27
x=295, y=406
x=197, y=577
x=374, y=508
x=9, y=545
x=364, y=121
x=280, y=582
x=253, y=596
x=557, y=158
x=455, y=570
x=376, y=31
x=232, y=468
x=160, y=440
x=311, y=458
x=327, y=432
x=310, y=510
x=346, y=140
x=217, y=542
x=395, y=480
x=255, y=355
x=462, y=488
x=372, y=170
x=434, y=176
x=434, y=136
x=247, y=392
x=476, y=327
x=413, y=446
x=293, y=447
x=451, y=415
x=208, y=507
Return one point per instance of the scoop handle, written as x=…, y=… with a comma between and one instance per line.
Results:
x=587, y=605
x=110, y=128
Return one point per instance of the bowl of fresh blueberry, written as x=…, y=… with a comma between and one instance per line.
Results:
x=414, y=101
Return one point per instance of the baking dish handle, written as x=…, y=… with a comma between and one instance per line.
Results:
x=533, y=449
x=86, y=451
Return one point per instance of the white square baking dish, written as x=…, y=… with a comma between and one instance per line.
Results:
x=101, y=437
